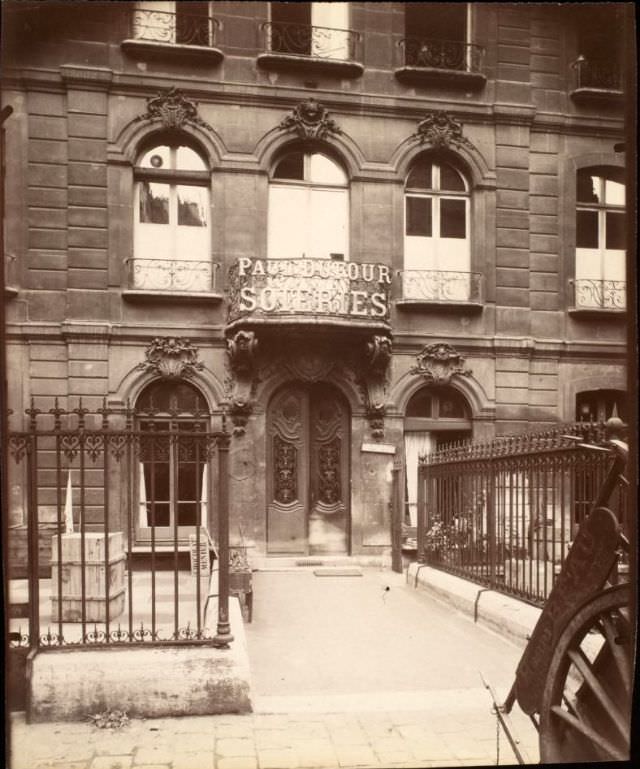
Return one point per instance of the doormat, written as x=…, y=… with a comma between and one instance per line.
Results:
x=309, y=562
x=337, y=571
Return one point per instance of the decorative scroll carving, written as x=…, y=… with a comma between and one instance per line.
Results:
x=439, y=130
x=437, y=363
x=378, y=357
x=241, y=349
x=173, y=109
x=310, y=120
x=285, y=471
x=329, y=484
x=311, y=365
x=172, y=358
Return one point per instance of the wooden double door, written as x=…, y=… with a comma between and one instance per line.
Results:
x=308, y=472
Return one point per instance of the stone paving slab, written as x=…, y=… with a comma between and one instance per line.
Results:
x=364, y=740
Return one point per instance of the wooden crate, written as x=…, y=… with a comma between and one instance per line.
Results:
x=69, y=567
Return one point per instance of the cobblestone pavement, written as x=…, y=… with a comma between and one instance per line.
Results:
x=375, y=738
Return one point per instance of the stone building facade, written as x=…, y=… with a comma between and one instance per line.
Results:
x=356, y=229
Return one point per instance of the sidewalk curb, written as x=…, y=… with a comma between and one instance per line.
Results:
x=512, y=618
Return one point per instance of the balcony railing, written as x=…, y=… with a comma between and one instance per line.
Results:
x=441, y=54
x=311, y=41
x=600, y=294
x=173, y=28
x=309, y=291
x=172, y=275
x=441, y=287
x=598, y=74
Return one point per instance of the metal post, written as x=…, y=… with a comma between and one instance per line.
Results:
x=491, y=522
x=421, y=514
x=223, y=635
x=32, y=531
x=397, y=488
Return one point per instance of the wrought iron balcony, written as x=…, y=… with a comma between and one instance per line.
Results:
x=185, y=32
x=289, y=45
x=440, y=287
x=172, y=276
x=597, y=80
x=600, y=295
x=308, y=291
x=10, y=276
x=448, y=61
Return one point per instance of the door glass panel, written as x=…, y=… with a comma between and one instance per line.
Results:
x=614, y=193
x=192, y=206
x=420, y=177
x=188, y=160
x=323, y=170
x=453, y=219
x=587, y=229
x=587, y=187
x=615, y=230
x=290, y=167
x=154, y=203
x=450, y=179
x=419, y=216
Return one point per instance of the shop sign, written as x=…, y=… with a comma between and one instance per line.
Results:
x=309, y=286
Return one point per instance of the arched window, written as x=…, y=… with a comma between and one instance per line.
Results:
x=308, y=208
x=600, y=280
x=434, y=416
x=436, y=244
x=173, y=477
x=172, y=241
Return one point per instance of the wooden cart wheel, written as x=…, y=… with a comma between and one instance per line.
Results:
x=586, y=704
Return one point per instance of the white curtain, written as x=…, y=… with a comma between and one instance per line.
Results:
x=415, y=445
x=143, y=520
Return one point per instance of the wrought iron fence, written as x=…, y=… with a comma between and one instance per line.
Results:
x=172, y=275
x=600, y=294
x=441, y=54
x=504, y=513
x=179, y=28
x=602, y=74
x=442, y=286
x=312, y=41
x=97, y=483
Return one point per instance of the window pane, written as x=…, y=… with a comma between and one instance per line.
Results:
x=192, y=206
x=615, y=230
x=157, y=157
x=453, y=219
x=419, y=216
x=587, y=187
x=587, y=229
x=154, y=203
x=189, y=160
x=323, y=170
x=290, y=167
x=420, y=177
x=450, y=179
x=614, y=192
x=188, y=476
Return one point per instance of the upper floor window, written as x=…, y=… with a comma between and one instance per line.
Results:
x=436, y=242
x=308, y=208
x=173, y=22
x=600, y=238
x=172, y=230
x=600, y=405
x=600, y=32
x=311, y=29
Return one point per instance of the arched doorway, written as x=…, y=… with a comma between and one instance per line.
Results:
x=434, y=416
x=308, y=471
x=173, y=473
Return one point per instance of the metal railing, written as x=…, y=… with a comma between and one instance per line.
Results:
x=599, y=294
x=80, y=475
x=601, y=74
x=442, y=286
x=504, y=513
x=181, y=28
x=172, y=275
x=312, y=41
x=440, y=54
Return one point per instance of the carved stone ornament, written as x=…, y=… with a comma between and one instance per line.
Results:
x=439, y=130
x=172, y=358
x=173, y=109
x=378, y=357
x=241, y=349
x=310, y=120
x=437, y=363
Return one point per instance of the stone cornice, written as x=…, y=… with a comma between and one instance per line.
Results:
x=353, y=103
